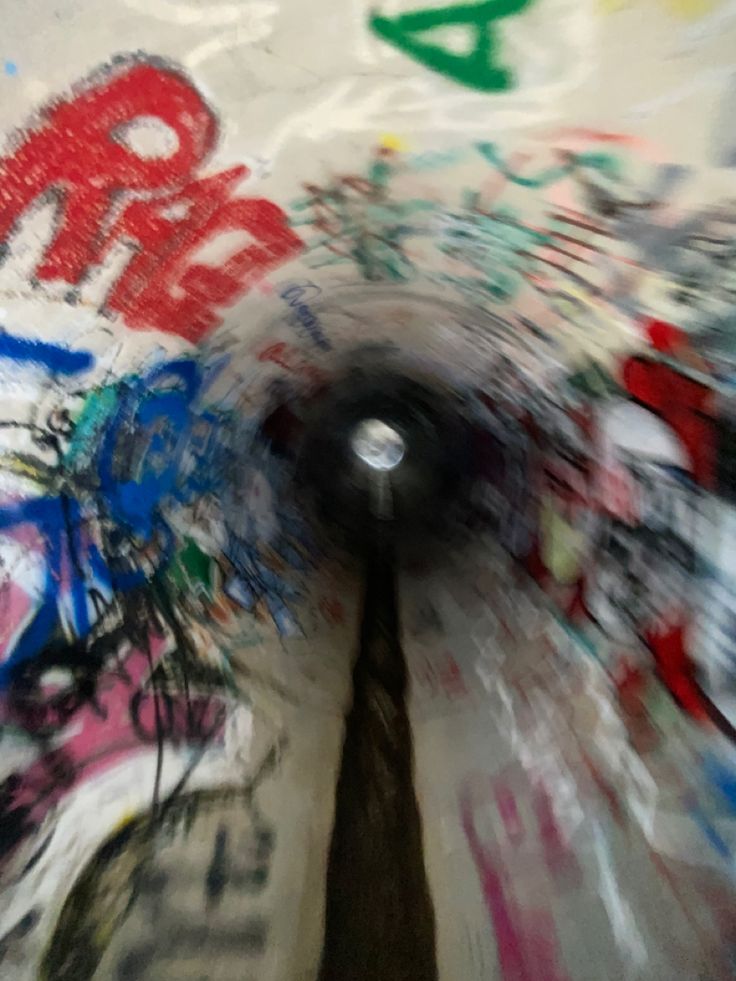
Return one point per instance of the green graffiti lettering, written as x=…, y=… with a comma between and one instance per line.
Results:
x=479, y=69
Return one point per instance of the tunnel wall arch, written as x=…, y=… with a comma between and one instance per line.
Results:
x=186, y=191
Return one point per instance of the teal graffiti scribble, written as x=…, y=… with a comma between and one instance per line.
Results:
x=434, y=159
x=602, y=162
x=359, y=223
x=497, y=245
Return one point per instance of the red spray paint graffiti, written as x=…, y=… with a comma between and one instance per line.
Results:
x=109, y=193
x=685, y=406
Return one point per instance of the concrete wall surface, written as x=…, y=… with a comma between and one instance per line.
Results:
x=203, y=207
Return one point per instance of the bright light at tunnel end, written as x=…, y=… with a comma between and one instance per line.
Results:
x=378, y=445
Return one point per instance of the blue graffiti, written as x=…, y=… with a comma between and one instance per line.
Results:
x=141, y=453
x=255, y=582
x=709, y=831
x=57, y=359
x=68, y=550
x=303, y=317
x=151, y=446
x=723, y=778
x=140, y=448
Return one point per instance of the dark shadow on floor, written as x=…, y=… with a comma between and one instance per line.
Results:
x=379, y=915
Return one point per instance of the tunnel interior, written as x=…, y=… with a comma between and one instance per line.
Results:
x=366, y=492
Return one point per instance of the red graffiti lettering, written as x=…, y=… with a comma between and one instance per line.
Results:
x=285, y=357
x=683, y=404
x=181, y=299
x=80, y=153
x=158, y=290
x=158, y=229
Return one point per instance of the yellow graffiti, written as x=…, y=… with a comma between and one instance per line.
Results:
x=127, y=818
x=392, y=141
x=687, y=9
x=561, y=544
x=691, y=8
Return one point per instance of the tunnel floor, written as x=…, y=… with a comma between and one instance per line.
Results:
x=492, y=818
x=379, y=914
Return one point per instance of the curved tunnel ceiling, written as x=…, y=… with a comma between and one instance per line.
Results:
x=202, y=243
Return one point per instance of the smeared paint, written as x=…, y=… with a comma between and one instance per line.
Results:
x=520, y=936
x=54, y=357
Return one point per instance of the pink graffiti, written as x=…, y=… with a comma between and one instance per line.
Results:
x=559, y=858
x=506, y=804
x=525, y=938
x=17, y=604
x=106, y=731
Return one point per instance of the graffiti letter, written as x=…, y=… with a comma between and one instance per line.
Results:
x=81, y=153
x=157, y=290
x=684, y=405
x=479, y=68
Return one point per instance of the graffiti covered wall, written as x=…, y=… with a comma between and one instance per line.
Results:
x=142, y=545
x=180, y=224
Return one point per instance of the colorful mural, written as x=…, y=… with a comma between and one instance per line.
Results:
x=146, y=540
x=181, y=228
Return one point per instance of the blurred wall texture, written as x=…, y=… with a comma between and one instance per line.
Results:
x=202, y=204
